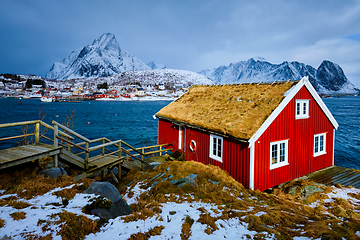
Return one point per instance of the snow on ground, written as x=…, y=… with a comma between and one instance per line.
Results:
x=229, y=229
x=172, y=217
x=343, y=193
x=42, y=207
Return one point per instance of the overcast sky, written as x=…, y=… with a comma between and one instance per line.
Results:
x=183, y=34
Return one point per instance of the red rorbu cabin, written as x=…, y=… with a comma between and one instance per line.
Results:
x=262, y=134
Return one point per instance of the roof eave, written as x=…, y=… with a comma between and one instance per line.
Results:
x=201, y=129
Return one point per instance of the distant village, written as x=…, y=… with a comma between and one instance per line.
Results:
x=30, y=86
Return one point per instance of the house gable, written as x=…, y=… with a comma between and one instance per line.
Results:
x=289, y=96
x=299, y=134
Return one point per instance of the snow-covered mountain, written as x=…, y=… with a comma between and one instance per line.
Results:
x=328, y=78
x=156, y=76
x=154, y=65
x=102, y=58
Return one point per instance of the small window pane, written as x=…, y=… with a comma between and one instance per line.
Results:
x=282, y=152
x=274, y=153
x=298, y=109
x=219, y=148
x=214, y=146
x=304, y=108
x=321, y=143
x=316, y=146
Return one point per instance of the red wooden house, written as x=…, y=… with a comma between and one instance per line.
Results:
x=261, y=134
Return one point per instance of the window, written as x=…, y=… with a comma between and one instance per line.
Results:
x=278, y=154
x=319, y=144
x=302, y=109
x=216, y=144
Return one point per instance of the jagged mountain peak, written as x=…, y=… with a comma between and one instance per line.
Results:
x=106, y=41
x=328, y=78
x=100, y=59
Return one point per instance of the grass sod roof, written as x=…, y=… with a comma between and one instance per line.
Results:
x=237, y=110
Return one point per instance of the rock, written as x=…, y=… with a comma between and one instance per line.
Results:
x=158, y=176
x=182, y=181
x=119, y=206
x=309, y=190
x=192, y=176
x=116, y=209
x=292, y=190
x=214, y=182
x=154, y=184
x=53, y=172
x=104, y=189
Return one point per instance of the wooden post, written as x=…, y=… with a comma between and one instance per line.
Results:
x=160, y=152
x=119, y=173
x=69, y=145
x=87, y=156
x=120, y=150
x=142, y=158
x=103, y=148
x=37, y=133
x=56, y=132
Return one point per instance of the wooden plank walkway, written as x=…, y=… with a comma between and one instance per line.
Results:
x=334, y=174
x=27, y=153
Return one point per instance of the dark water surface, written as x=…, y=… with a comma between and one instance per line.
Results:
x=133, y=122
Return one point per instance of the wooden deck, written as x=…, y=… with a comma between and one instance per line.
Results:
x=19, y=155
x=334, y=174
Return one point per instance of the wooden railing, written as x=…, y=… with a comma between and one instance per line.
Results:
x=36, y=132
x=66, y=138
x=120, y=151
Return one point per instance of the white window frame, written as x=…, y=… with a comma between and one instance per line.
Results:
x=277, y=153
x=318, y=149
x=218, y=156
x=180, y=137
x=302, y=109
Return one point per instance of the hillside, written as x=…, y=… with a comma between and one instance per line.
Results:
x=177, y=200
x=156, y=76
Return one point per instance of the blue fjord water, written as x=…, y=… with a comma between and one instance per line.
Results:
x=133, y=122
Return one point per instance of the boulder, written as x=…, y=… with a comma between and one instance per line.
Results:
x=53, y=172
x=119, y=206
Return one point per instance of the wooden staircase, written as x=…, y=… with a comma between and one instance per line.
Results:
x=91, y=156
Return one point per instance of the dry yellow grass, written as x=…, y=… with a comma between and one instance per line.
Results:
x=283, y=215
x=235, y=110
x=144, y=236
x=186, y=228
x=71, y=226
x=2, y=223
x=18, y=215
